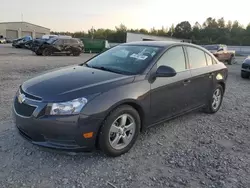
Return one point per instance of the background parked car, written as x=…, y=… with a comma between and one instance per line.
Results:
x=245, y=69
x=221, y=52
x=2, y=41
x=20, y=43
x=60, y=45
x=9, y=40
x=39, y=41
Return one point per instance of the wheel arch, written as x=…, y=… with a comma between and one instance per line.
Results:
x=134, y=104
x=223, y=85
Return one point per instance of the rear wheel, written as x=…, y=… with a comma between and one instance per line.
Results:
x=119, y=131
x=215, y=100
x=75, y=53
x=231, y=60
x=245, y=74
x=47, y=52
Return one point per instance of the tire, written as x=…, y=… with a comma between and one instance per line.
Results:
x=245, y=75
x=47, y=52
x=107, y=138
x=231, y=60
x=76, y=53
x=211, y=108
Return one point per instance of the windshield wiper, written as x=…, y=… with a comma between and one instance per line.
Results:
x=106, y=69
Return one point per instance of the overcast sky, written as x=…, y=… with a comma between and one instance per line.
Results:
x=79, y=15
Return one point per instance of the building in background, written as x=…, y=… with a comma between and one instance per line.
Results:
x=14, y=30
x=134, y=37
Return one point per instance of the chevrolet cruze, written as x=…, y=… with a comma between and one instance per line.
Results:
x=107, y=101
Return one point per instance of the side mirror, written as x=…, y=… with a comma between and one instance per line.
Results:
x=165, y=71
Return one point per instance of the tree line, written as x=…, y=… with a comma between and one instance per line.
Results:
x=212, y=31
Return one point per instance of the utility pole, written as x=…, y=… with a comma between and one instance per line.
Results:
x=22, y=17
x=92, y=32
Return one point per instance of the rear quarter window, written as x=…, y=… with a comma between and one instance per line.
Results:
x=209, y=59
x=196, y=58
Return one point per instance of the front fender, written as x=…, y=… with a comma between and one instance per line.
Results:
x=135, y=93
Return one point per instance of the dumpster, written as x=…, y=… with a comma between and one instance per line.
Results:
x=94, y=45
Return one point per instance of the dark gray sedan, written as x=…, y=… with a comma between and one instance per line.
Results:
x=107, y=101
x=245, y=69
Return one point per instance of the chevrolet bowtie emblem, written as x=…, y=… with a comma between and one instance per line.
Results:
x=21, y=98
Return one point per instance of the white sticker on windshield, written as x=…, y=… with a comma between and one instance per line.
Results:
x=140, y=57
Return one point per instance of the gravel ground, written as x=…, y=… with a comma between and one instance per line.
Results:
x=195, y=150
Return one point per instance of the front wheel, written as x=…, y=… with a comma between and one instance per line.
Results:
x=47, y=52
x=119, y=131
x=215, y=100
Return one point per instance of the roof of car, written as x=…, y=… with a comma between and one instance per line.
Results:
x=164, y=44
x=152, y=43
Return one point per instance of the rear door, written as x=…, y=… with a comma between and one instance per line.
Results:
x=202, y=76
x=169, y=96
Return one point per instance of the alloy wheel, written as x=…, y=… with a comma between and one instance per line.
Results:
x=122, y=131
x=217, y=96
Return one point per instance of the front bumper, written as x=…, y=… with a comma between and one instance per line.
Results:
x=246, y=70
x=245, y=67
x=57, y=132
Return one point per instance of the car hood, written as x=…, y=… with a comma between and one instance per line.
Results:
x=247, y=61
x=73, y=82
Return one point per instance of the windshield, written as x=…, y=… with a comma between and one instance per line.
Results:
x=51, y=40
x=125, y=59
x=213, y=47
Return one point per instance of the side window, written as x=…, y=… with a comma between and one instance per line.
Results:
x=174, y=58
x=209, y=59
x=59, y=42
x=196, y=58
x=73, y=41
x=66, y=41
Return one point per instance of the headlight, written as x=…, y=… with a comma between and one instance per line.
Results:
x=67, y=108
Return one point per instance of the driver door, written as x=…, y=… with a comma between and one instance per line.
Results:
x=170, y=95
x=59, y=45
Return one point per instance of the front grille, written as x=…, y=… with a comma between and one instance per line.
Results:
x=245, y=66
x=23, y=109
x=30, y=96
